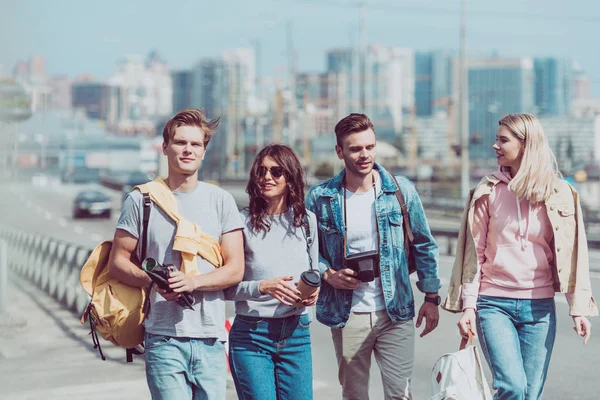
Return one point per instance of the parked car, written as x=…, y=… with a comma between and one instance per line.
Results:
x=92, y=203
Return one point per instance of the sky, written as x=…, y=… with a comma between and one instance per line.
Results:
x=78, y=37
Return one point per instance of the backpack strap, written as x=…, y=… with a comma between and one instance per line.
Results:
x=404, y=209
x=409, y=238
x=307, y=237
x=145, y=219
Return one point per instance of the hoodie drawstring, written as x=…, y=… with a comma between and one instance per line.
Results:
x=523, y=236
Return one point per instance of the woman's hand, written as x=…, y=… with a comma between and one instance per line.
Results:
x=467, y=322
x=312, y=299
x=280, y=289
x=583, y=327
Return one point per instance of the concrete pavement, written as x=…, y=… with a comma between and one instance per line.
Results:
x=51, y=356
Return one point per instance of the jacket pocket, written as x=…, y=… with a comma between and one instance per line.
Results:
x=516, y=268
x=565, y=210
x=396, y=230
x=326, y=227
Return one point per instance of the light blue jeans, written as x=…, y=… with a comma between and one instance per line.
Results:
x=185, y=368
x=517, y=337
x=271, y=358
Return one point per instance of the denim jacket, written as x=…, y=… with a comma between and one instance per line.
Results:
x=326, y=201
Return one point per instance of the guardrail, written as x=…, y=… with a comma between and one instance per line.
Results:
x=53, y=265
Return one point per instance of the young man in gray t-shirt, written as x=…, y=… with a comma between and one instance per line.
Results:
x=184, y=350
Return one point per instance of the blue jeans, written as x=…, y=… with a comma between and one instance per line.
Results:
x=185, y=368
x=517, y=337
x=270, y=358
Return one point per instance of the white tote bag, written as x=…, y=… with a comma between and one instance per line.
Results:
x=459, y=376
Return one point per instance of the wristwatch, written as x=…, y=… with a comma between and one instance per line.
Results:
x=435, y=300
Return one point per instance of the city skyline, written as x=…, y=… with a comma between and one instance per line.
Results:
x=73, y=43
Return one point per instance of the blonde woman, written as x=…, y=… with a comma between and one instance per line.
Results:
x=522, y=239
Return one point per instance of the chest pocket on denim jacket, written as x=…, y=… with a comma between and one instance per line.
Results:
x=396, y=231
x=326, y=227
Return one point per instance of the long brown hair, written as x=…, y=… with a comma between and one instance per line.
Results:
x=294, y=175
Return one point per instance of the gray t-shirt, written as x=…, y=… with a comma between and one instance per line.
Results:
x=279, y=252
x=215, y=212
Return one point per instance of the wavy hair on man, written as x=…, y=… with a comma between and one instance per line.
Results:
x=294, y=175
x=191, y=117
x=539, y=171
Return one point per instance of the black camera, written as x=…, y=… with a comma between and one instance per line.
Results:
x=160, y=276
x=365, y=264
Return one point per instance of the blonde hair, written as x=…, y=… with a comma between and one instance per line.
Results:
x=538, y=172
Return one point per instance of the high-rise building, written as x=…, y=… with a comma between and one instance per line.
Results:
x=575, y=141
x=182, y=89
x=32, y=75
x=37, y=68
x=146, y=91
x=93, y=97
x=581, y=83
x=497, y=86
x=208, y=87
x=60, y=87
x=387, y=84
x=224, y=87
x=553, y=86
x=323, y=94
x=433, y=82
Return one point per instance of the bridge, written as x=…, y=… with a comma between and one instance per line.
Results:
x=45, y=352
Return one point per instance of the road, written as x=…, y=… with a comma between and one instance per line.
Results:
x=47, y=210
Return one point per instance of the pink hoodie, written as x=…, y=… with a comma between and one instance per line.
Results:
x=513, y=240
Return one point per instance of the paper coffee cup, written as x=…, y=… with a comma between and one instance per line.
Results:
x=309, y=282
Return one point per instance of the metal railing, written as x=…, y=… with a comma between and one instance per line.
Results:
x=52, y=265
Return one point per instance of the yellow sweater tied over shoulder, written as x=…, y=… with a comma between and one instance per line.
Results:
x=189, y=238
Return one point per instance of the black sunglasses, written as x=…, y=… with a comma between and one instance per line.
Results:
x=276, y=172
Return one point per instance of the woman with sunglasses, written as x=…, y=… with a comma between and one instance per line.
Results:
x=269, y=343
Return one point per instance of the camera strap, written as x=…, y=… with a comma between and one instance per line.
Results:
x=345, y=218
x=145, y=219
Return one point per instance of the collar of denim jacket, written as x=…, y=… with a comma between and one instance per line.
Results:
x=334, y=187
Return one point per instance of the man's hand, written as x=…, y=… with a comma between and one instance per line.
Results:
x=466, y=323
x=179, y=282
x=280, y=289
x=583, y=327
x=170, y=294
x=430, y=312
x=342, y=279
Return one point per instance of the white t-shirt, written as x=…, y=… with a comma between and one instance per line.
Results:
x=361, y=229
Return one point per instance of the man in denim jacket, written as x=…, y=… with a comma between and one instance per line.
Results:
x=358, y=212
